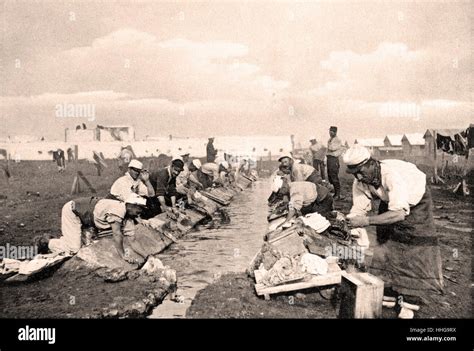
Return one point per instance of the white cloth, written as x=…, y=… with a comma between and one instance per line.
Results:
x=277, y=183
x=70, y=241
x=314, y=264
x=126, y=185
x=316, y=221
x=361, y=237
x=403, y=185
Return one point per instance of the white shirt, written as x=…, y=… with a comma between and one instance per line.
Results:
x=108, y=211
x=403, y=185
x=125, y=185
x=302, y=194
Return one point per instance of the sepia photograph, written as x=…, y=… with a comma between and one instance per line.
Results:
x=236, y=160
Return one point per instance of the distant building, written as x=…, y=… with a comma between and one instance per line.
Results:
x=413, y=144
x=392, y=146
x=373, y=144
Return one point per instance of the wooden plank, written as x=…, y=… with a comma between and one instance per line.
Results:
x=86, y=182
x=215, y=198
x=75, y=184
x=315, y=281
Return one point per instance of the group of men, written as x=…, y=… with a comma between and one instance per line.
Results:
x=407, y=255
x=135, y=195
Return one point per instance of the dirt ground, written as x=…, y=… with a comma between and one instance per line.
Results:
x=233, y=295
x=31, y=206
x=75, y=292
x=24, y=215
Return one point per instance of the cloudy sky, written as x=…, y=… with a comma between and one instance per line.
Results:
x=237, y=68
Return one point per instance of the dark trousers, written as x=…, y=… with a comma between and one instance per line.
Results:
x=333, y=174
x=319, y=166
x=323, y=207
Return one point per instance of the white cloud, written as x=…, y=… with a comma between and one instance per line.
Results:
x=138, y=64
x=387, y=71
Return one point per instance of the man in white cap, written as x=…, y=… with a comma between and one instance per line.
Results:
x=96, y=215
x=135, y=181
x=318, y=154
x=187, y=178
x=298, y=172
x=302, y=197
x=216, y=173
x=408, y=258
x=119, y=217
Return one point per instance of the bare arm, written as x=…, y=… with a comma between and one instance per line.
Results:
x=118, y=239
x=173, y=201
x=388, y=217
x=162, y=201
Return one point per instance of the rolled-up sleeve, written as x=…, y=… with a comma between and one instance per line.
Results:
x=296, y=200
x=397, y=194
x=361, y=202
x=161, y=184
x=142, y=189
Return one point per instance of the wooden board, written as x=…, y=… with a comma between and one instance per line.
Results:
x=217, y=199
x=315, y=281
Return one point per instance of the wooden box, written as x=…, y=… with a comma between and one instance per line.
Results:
x=361, y=296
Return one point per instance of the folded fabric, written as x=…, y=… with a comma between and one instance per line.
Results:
x=316, y=221
x=314, y=264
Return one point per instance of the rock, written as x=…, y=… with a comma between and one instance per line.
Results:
x=132, y=275
x=449, y=268
x=453, y=293
x=102, y=253
x=111, y=275
x=152, y=265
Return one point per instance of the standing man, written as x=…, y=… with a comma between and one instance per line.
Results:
x=136, y=180
x=335, y=149
x=70, y=155
x=58, y=156
x=318, y=153
x=408, y=259
x=211, y=152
